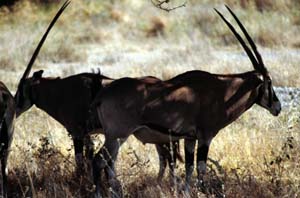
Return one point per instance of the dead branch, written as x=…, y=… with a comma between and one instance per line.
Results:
x=163, y=5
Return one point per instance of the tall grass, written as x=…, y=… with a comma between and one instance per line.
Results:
x=257, y=156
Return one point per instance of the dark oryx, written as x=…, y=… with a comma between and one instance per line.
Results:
x=68, y=101
x=194, y=105
x=8, y=111
x=7, y=117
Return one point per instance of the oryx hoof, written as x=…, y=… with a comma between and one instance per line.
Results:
x=159, y=179
x=174, y=180
x=201, y=186
x=98, y=194
x=115, y=189
x=186, y=190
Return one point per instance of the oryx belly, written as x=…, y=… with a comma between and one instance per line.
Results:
x=148, y=135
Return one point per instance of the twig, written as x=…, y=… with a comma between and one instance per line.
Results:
x=160, y=4
x=218, y=166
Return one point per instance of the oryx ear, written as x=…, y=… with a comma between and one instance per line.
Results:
x=37, y=75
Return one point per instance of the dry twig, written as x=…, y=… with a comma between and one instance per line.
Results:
x=161, y=4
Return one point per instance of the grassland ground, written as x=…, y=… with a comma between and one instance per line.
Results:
x=256, y=156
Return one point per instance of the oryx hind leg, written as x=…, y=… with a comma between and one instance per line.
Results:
x=162, y=152
x=168, y=154
x=105, y=160
x=174, y=154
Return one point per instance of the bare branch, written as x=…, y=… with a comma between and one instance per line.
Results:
x=163, y=5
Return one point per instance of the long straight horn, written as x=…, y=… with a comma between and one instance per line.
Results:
x=37, y=50
x=262, y=68
x=239, y=38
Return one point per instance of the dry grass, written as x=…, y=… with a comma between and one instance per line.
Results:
x=254, y=152
x=261, y=162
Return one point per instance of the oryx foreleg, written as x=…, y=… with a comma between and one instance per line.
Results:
x=202, y=152
x=3, y=191
x=78, y=148
x=88, y=154
x=189, y=149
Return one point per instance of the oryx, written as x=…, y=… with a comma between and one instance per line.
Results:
x=194, y=105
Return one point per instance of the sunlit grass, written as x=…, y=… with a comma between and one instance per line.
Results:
x=251, y=152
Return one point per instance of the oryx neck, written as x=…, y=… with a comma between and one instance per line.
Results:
x=241, y=94
x=41, y=94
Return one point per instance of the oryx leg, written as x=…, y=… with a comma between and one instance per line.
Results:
x=161, y=151
x=89, y=147
x=88, y=154
x=4, y=145
x=189, y=150
x=104, y=160
x=110, y=169
x=167, y=153
x=3, y=190
x=202, y=152
x=78, y=147
x=172, y=159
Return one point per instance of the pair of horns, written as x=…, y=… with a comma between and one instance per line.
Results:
x=37, y=50
x=256, y=60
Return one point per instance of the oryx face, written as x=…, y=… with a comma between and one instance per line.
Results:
x=24, y=95
x=268, y=98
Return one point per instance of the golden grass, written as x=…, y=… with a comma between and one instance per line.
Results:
x=253, y=152
x=258, y=155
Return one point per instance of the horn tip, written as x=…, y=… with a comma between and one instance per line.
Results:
x=66, y=4
x=217, y=10
x=229, y=9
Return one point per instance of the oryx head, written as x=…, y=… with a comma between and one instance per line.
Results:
x=266, y=94
x=23, y=96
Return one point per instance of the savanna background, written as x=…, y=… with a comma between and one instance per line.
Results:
x=256, y=156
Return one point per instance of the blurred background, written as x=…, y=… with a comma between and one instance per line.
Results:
x=257, y=155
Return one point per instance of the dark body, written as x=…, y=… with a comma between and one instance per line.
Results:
x=194, y=105
x=8, y=108
x=7, y=118
x=67, y=100
x=195, y=99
